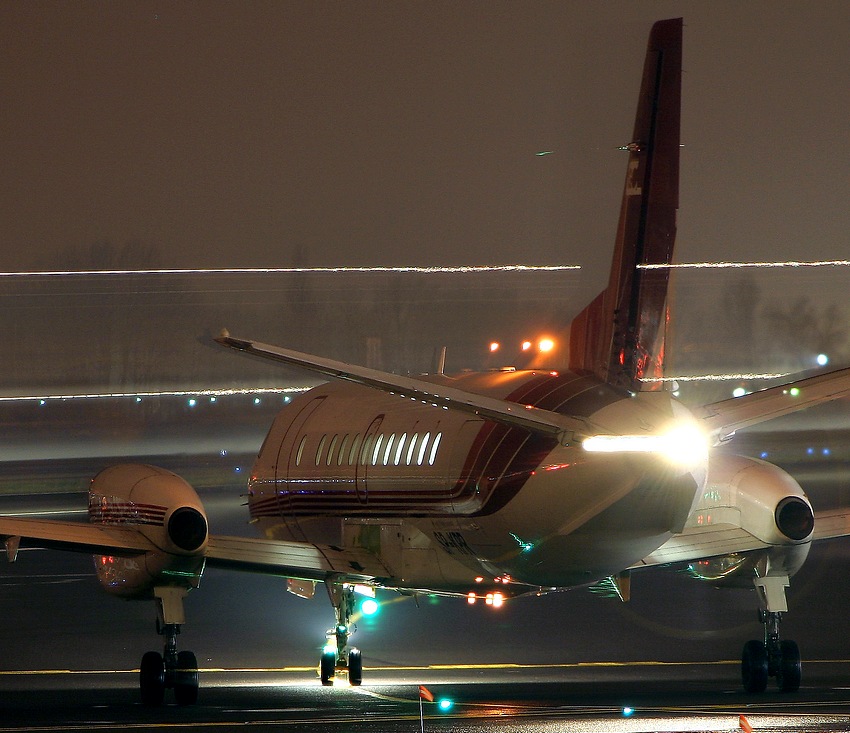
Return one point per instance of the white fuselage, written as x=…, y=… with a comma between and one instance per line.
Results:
x=445, y=498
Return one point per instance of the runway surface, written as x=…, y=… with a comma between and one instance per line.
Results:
x=542, y=698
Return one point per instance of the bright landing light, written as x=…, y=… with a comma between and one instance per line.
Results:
x=684, y=445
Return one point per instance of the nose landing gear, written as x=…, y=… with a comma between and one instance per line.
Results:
x=337, y=657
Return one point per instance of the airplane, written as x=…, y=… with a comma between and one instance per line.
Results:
x=487, y=485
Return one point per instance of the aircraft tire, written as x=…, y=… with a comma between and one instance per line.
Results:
x=327, y=668
x=186, y=679
x=790, y=670
x=355, y=667
x=754, y=666
x=152, y=679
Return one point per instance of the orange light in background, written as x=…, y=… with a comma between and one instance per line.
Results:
x=494, y=346
x=498, y=600
x=526, y=345
x=470, y=598
x=546, y=345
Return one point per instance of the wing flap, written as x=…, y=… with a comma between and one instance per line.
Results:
x=702, y=542
x=74, y=536
x=298, y=560
x=527, y=417
x=723, y=418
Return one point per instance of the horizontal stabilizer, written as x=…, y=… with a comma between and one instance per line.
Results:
x=723, y=418
x=527, y=417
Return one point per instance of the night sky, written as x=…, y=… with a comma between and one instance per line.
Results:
x=360, y=133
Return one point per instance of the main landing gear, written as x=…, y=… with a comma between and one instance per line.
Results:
x=337, y=656
x=771, y=657
x=171, y=669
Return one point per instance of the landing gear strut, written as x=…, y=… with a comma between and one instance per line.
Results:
x=772, y=657
x=171, y=669
x=337, y=655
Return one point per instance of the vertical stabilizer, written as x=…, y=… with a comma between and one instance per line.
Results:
x=619, y=337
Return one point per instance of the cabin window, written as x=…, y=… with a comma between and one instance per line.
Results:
x=377, y=450
x=320, y=449
x=399, y=449
x=423, y=446
x=388, y=450
x=436, y=444
x=411, y=448
x=300, y=450
x=355, y=444
x=331, y=448
x=341, y=455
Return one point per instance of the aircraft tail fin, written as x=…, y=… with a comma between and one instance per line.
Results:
x=619, y=337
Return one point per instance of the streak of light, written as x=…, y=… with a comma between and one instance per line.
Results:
x=288, y=270
x=717, y=377
x=45, y=513
x=164, y=393
x=732, y=265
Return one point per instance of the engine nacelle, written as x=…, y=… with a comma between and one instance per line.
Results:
x=167, y=511
x=767, y=503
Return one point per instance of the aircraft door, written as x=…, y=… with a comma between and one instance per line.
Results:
x=286, y=472
x=365, y=460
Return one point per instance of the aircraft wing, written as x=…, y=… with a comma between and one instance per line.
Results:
x=293, y=559
x=698, y=543
x=563, y=427
x=287, y=559
x=75, y=536
x=723, y=418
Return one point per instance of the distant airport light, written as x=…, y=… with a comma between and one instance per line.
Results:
x=628, y=711
x=42, y=399
x=471, y=598
x=526, y=345
x=739, y=392
x=822, y=359
x=445, y=704
x=494, y=346
x=192, y=402
x=546, y=345
x=257, y=400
